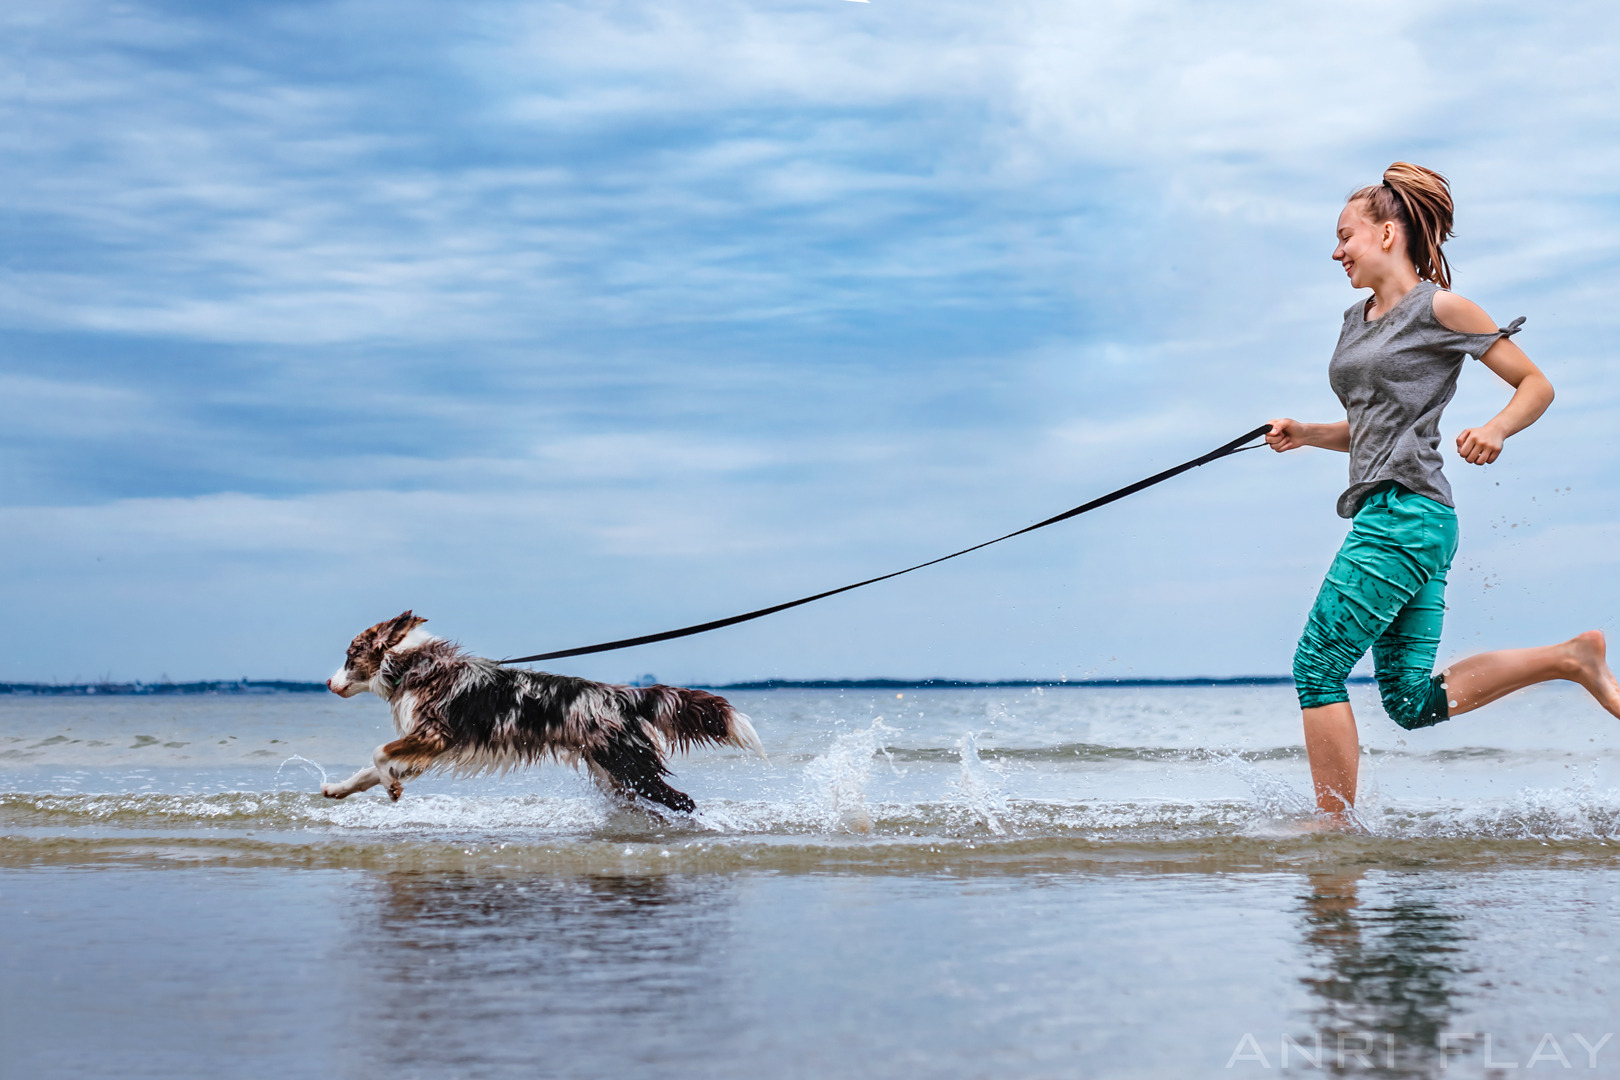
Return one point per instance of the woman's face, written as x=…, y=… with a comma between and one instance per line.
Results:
x=1365, y=247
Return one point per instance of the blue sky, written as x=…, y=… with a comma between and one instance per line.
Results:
x=561, y=322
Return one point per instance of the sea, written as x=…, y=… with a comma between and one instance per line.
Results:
x=997, y=882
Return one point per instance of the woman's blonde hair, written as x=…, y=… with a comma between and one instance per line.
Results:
x=1419, y=200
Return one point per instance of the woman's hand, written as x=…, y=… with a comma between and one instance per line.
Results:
x=1286, y=434
x=1480, y=445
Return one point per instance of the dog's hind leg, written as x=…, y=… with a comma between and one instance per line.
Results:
x=360, y=781
x=632, y=764
x=403, y=759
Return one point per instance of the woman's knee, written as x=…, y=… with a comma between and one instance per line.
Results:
x=1319, y=673
x=1414, y=699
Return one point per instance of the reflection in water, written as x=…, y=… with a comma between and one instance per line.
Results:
x=1390, y=970
x=488, y=973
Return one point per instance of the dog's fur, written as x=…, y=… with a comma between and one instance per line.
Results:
x=466, y=714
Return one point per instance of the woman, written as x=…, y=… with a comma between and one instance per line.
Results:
x=1395, y=368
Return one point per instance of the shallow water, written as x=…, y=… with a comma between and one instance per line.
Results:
x=1069, y=882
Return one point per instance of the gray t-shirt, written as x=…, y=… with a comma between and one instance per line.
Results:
x=1394, y=375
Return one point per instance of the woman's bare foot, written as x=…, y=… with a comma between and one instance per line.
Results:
x=1346, y=822
x=1324, y=822
x=1591, y=669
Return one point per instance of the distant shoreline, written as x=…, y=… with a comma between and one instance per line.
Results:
x=140, y=689
x=261, y=686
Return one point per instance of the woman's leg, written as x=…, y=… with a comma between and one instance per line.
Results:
x=1398, y=544
x=1480, y=680
x=1403, y=657
x=1351, y=611
x=1335, y=755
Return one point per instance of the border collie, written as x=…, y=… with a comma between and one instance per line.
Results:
x=465, y=714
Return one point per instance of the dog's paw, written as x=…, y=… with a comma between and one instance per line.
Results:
x=395, y=790
x=332, y=791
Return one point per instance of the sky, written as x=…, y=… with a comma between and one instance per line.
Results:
x=564, y=322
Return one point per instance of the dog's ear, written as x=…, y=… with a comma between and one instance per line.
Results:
x=393, y=631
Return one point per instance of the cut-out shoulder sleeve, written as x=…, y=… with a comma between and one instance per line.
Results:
x=1473, y=342
x=1480, y=344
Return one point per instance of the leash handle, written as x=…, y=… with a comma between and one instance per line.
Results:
x=1226, y=449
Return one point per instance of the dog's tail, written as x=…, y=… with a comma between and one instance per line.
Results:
x=685, y=718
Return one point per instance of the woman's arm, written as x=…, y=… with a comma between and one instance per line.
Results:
x=1532, y=392
x=1291, y=434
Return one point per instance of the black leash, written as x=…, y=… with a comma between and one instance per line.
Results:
x=1233, y=447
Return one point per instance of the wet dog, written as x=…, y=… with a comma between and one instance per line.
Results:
x=465, y=714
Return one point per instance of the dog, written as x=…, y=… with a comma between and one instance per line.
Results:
x=464, y=714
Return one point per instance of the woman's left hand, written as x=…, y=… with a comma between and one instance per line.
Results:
x=1480, y=445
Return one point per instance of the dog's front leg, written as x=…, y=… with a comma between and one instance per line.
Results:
x=360, y=781
x=402, y=759
x=389, y=772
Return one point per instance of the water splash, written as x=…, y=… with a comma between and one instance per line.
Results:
x=305, y=764
x=1271, y=795
x=1577, y=812
x=1278, y=808
x=836, y=781
x=982, y=795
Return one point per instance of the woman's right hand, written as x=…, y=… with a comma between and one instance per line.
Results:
x=1286, y=434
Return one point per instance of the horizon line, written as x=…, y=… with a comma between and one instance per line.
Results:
x=286, y=686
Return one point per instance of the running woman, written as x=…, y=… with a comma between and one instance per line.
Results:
x=1395, y=368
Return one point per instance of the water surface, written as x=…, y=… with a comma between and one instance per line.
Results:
x=958, y=883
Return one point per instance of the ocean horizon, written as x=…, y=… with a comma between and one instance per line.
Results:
x=284, y=686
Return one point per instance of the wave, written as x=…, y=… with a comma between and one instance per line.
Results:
x=832, y=819
x=1087, y=752
x=148, y=750
x=978, y=816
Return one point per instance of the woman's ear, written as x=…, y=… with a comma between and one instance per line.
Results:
x=1387, y=240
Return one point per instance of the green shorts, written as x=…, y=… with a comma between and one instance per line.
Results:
x=1385, y=590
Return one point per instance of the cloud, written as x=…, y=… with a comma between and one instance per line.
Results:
x=326, y=307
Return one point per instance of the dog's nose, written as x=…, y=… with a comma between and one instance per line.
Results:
x=329, y=685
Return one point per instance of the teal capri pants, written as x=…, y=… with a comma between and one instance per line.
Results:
x=1386, y=589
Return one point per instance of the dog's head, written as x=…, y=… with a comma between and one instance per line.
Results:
x=366, y=653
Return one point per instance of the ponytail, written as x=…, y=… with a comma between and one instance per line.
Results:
x=1419, y=200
